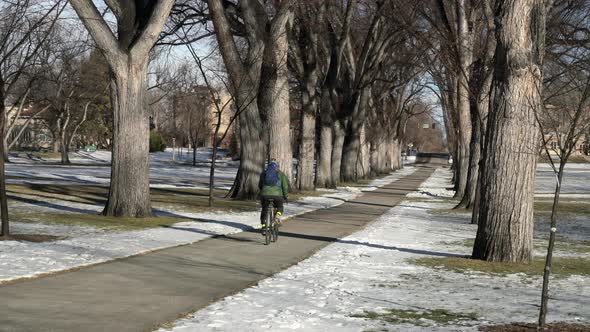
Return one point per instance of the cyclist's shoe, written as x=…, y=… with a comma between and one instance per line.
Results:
x=278, y=218
x=263, y=229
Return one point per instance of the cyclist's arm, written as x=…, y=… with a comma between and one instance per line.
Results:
x=261, y=181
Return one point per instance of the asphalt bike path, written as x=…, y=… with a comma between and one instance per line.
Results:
x=139, y=293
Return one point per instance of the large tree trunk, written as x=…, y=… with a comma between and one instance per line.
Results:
x=337, y=146
x=505, y=231
x=5, y=152
x=64, y=150
x=484, y=107
x=375, y=158
x=129, y=193
x=305, y=168
x=351, y=152
x=252, y=154
x=245, y=78
x=3, y=198
x=474, y=157
x=63, y=139
x=463, y=106
x=127, y=56
x=324, y=166
x=396, y=155
x=273, y=97
x=363, y=162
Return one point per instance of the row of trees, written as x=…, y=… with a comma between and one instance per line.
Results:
x=280, y=56
x=346, y=74
x=494, y=77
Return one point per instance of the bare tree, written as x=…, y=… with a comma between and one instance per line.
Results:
x=221, y=109
x=15, y=125
x=192, y=104
x=138, y=27
x=59, y=86
x=564, y=126
x=273, y=99
x=25, y=26
x=306, y=67
x=565, y=113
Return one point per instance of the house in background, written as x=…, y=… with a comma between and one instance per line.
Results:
x=29, y=130
x=556, y=122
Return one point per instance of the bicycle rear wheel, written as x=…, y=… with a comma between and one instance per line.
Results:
x=268, y=230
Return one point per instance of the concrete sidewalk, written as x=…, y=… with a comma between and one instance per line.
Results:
x=141, y=292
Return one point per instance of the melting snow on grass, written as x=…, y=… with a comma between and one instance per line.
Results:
x=367, y=282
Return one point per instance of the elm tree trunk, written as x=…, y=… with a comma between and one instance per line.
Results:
x=375, y=158
x=307, y=139
x=351, y=152
x=338, y=131
x=251, y=154
x=505, y=223
x=305, y=168
x=463, y=106
x=473, y=171
x=273, y=99
x=363, y=161
x=324, y=166
x=3, y=198
x=129, y=193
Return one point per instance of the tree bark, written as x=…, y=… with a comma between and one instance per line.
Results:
x=245, y=83
x=3, y=197
x=305, y=168
x=363, y=163
x=474, y=157
x=396, y=155
x=351, y=152
x=375, y=158
x=324, y=167
x=464, y=120
x=127, y=56
x=505, y=224
x=129, y=193
x=273, y=97
x=63, y=140
x=337, y=147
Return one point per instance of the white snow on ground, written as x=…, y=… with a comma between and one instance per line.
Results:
x=370, y=271
x=93, y=168
x=576, y=179
x=437, y=185
x=85, y=245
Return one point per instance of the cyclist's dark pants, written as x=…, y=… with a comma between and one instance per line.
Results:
x=264, y=200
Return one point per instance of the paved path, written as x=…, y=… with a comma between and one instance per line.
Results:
x=141, y=292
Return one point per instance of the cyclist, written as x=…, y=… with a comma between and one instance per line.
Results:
x=273, y=185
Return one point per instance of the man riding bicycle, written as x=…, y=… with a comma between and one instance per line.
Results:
x=273, y=186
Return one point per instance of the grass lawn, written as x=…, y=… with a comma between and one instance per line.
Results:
x=561, y=244
x=163, y=199
x=561, y=266
x=418, y=317
x=59, y=197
